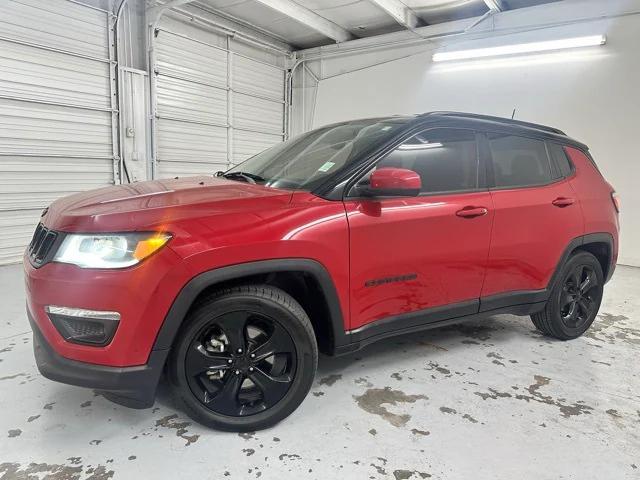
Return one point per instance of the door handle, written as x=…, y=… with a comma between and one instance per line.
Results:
x=471, y=212
x=563, y=202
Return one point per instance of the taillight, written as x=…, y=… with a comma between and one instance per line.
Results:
x=616, y=201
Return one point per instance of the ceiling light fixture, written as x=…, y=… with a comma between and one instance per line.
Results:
x=532, y=47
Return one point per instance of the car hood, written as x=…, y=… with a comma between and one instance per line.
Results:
x=144, y=205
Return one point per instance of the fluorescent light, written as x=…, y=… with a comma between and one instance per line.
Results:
x=549, y=45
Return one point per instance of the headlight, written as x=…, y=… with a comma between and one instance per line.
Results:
x=109, y=251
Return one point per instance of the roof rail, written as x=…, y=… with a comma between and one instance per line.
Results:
x=508, y=121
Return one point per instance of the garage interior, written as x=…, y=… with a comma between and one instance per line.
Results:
x=100, y=92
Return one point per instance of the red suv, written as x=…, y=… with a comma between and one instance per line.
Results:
x=342, y=236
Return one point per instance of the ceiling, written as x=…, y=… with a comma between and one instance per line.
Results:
x=312, y=23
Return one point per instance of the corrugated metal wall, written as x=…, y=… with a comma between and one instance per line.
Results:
x=217, y=102
x=57, y=118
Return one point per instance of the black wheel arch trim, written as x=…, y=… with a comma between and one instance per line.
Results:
x=600, y=237
x=184, y=300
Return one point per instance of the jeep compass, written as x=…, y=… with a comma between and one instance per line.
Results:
x=344, y=235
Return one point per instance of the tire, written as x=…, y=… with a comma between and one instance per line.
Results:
x=573, y=304
x=214, y=382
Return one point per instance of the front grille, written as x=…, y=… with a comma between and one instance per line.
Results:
x=41, y=244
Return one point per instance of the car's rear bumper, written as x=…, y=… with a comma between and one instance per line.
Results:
x=133, y=387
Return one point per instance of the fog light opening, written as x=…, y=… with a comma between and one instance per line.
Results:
x=87, y=327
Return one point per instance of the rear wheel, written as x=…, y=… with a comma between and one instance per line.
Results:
x=575, y=299
x=245, y=359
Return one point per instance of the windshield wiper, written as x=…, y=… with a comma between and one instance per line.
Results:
x=246, y=176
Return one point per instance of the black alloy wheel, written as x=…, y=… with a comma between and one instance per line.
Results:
x=574, y=300
x=244, y=359
x=241, y=363
x=580, y=296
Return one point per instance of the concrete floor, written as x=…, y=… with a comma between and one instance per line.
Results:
x=491, y=399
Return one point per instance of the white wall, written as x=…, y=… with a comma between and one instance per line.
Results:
x=593, y=95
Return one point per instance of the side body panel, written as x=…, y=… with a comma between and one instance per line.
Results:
x=411, y=254
x=595, y=198
x=530, y=234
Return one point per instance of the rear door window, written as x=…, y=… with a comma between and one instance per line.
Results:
x=518, y=161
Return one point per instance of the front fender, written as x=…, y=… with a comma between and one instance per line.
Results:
x=204, y=280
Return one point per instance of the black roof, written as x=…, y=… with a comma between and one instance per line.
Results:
x=506, y=121
x=472, y=119
x=544, y=130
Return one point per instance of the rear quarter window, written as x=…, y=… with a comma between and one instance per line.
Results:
x=560, y=159
x=518, y=161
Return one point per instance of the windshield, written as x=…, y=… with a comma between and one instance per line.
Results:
x=305, y=161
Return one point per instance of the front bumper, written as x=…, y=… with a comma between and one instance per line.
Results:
x=141, y=295
x=133, y=387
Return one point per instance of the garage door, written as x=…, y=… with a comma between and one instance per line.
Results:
x=56, y=117
x=217, y=102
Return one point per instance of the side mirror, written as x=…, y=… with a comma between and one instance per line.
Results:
x=390, y=181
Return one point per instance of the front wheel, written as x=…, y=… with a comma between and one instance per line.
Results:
x=245, y=359
x=575, y=299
